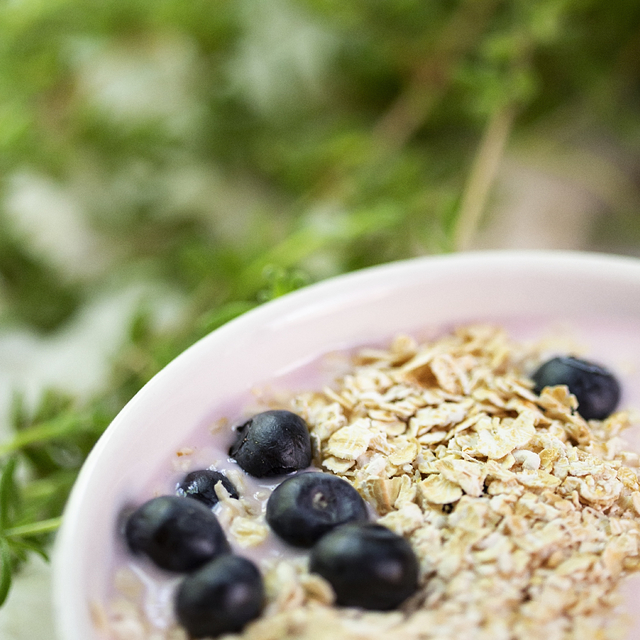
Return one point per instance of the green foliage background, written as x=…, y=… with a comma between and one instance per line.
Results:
x=236, y=150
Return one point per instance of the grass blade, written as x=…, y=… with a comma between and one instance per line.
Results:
x=5, y=570
x=7, y=492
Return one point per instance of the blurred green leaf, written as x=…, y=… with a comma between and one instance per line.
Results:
x=5, y=570
x=8, y=493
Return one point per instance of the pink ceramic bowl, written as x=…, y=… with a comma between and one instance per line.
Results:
x=596, y=298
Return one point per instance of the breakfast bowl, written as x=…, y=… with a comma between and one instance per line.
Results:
x=584, y=304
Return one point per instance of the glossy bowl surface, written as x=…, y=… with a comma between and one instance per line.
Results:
x=598, y=296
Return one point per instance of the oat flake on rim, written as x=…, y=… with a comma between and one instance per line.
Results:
x=358, y=308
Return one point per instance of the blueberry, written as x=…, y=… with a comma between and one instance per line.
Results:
x=306, y=506
x=221, y=597
x=595, y=388
x=175, y=533
x=272, y=443
x=367, y=565
x=200, y=485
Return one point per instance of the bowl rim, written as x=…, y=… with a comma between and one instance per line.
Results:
x=68, y=622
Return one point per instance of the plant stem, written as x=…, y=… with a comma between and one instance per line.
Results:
x=432, y=76
x=426, y=85
x=42, y=432
x=482, y=176
x=44, y=526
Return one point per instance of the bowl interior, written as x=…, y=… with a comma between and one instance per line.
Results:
x=595, y=298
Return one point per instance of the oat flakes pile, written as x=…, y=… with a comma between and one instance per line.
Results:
x=523, y=515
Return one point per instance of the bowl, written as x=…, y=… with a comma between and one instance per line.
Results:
x=595, y=298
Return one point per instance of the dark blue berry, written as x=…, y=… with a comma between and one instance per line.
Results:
x=272, y=443
x=221, y=597
x=367, y=565
x=595, y=388
x=200, y=485
x=306, y=506
x=175, y=533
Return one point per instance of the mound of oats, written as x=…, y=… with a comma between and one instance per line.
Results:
x=523, y=515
